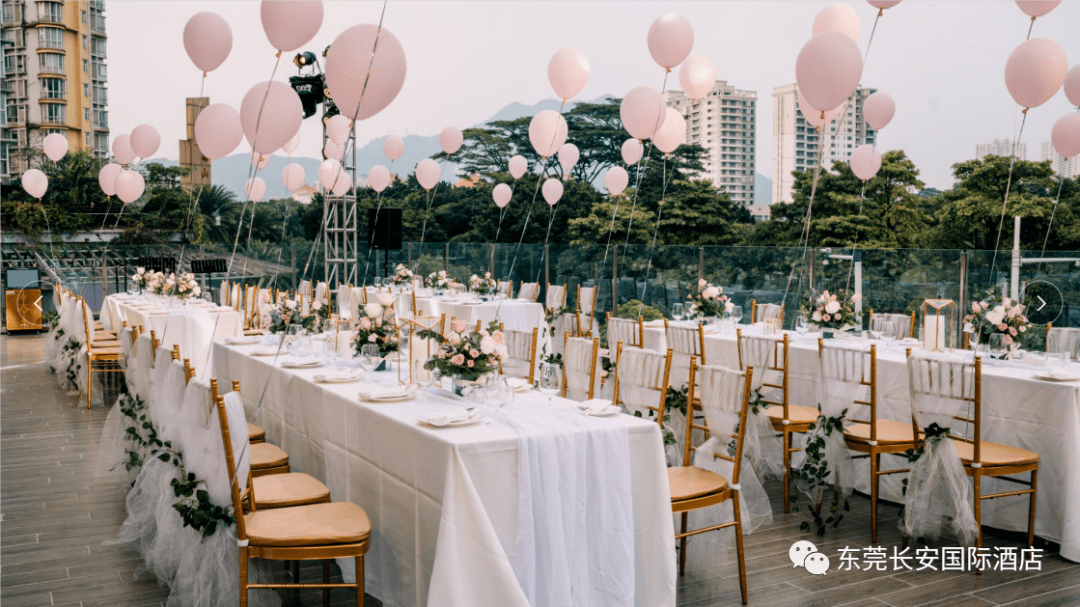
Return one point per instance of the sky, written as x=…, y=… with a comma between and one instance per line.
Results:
x=942, y=62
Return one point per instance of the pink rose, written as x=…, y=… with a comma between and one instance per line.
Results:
x=1012, y=331
x=470, y=363
x=497, y=336
x=474, y=353
x=826, y=317
x=975, y=307
x=1003, y=327
x=1008, y=340
x=458, y=359
x=459, y=325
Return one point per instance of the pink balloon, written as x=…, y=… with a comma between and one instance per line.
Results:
x=207, y=40
x=568, y=157
x=378, y=178
x=865, y=162
x=35, y=183
x=632, y=151
x=672, y=133
x=55, y=146
x=276, y=109
x=218, y=130
x=290, y=24
x=107, y=178
x=255, y=188
x=330, y=172
x=121, y=149
x=145, y=140
x=347, y=64
x=502, y=194
x=670, y=39
x=813, y=116
x=642, y=112
x=393, y=147
x=129, y=186
x=616, y=180
x=1035, y=71
x=547, y=132
x=1072, y=85
x=337, y=129
x=293, y=177
x=337, y=152
x=341, y=187
x=428, y=173
x=517, y=166
x=1066, y=135
x=568, y=72
x=838, y=18
x=1037, y=8
x=552, y=191
x=697, y=76
x=879, y=110
x=260, y=160
x=450, y=139
x=883, y=4
x=292, y=144
x=828, y=69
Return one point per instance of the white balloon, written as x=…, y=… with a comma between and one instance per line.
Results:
x=632, y=151
x=378, y=178
x=293, y=177
x=865, y=162
x=552, y=191
x=332, y=150
x=672, y=133
x=697, y=76
x=568, y=157
x=255, y=188
x=450, y=139
x=55, y=146
x=35, y=183
x=130, y=185
x=547, y=132
x=428, y=173
x=393, y=147
x=616, y=180
x=330, y=172
x=291, y=145
x=107, y=178
x=518, y=166
x=337, y=129
x=501, y=194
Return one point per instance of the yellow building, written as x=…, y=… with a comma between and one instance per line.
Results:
x=54, y=62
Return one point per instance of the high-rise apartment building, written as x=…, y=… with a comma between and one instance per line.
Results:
x=191, y=157
x=6, y=138
x=724, y=124
x=54, y=66
x=1062, y=167
x=796, y=143
x=1001, y=147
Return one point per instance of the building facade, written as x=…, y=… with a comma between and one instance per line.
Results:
x=1062, y=167
x=1001, y=147
x=724, y=123
x=6, y=138
x=797, y=143
x=55, y=76
x=191, y=157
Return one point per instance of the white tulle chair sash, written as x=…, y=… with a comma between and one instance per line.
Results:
x=640, y=377
x=529, y=290
x=556, y=297
x=579, y=361
x=624, y=331
x=767, y=311
x=761, y=445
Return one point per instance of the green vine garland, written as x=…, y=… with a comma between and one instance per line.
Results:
x=814, y=470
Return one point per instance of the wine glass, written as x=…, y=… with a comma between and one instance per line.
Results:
x=499, y=392
x=423, y=377
x=550, y=376
x=802, y=324
x=736, y=314
x=996, y=346
x=677, y=311
x=369, y=357
x=294, y=333
x=888, y=332
x=330, y=346
x=876, y=324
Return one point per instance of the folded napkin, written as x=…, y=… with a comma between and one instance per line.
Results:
x=266, y=351
x=381, y=393
x=517, y=384
x=299, y=363
x=340, y=377
x=238, y=341
x=448, y=417
x=1054, y=373
x=598, y=406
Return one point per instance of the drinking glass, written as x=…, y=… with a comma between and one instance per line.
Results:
x=295, y=332
x=677, y=311
x=876, y=322
x=369, y=356
x=888, y=332
x=498, y=391
x=550, y=376
x=1056, y=360
x=802, y=324
x=423, y=377
x=736, y=314
x=330, y=346
x=997, y=346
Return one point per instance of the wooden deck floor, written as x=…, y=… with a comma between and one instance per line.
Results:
x=57, y=523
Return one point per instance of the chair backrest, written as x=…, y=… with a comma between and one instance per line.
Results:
x=556, y=297
x=765, y=311
x=529, y=290
x=905, y=323
x=945, y=390
x=251, y=305
x=586, y=309
x=154, y=343
x=579, y=367
x=689, y=341
x=846, y=372
x=88, y=323
x=505, y=287
x=223, y=293
x=234, y=439
x=1063, y=339
x=626, y=331
x=521, y=351
x=768, y=354
x=724, y=395
x=638, y=374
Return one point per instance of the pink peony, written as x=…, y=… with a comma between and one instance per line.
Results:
x=975, y=309
x=458, y=359
x=470, y=363
x=497, y=336
x=1012, y=331
x=826, y=317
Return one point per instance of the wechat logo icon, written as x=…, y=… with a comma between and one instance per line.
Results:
x=804, y=554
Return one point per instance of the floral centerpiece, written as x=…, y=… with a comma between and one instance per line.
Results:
x=437, y=280
x=834, y=311
x=279, y=318
x=155, y=282
x=138, y=279
x=185, y=285
x=997, y=315
x=376, y=326
x=402, y=275
x=482, y=285
x=467, y=354
x=710, y=301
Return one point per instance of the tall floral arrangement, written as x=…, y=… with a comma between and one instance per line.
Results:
x=995, y=314
x=402, y=275
x=288, y=313
x=710, y=301
x=376, y=326
x=437, y=280
x=185, y=285
x=468, y=353
x=831, y=310
x=155, y=282
x=482, y=285
x=139, y=277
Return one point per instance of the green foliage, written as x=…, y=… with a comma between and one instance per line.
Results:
x=634, y=308
x=199, y=512
x=813, y=472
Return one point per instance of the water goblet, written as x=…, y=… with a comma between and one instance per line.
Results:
x=736, y=314
x=550, y=378
x=888, y=332
x=677, y=311
x=996, y=346
x=369, y=357
x=423, y=377
x=802, y=324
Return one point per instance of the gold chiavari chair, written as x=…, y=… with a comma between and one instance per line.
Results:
x=101, y=356
x=579, y=365
x=154, y=343
x=509, y=284
x=256, y=434
x=903, y=321
x=786, y=418
x=626, y=331
x=873, y=436
x=763, y=312
x=318, y=531
x=586, y=310
x=529, y=290
x=930, y=378
x=687, y=345
x=266, y=459
x=521, y=349
x=1063, y=340
x=693, y=488
x=556, y=297
x=642, y=369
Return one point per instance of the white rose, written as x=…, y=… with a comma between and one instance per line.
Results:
x=711, y=293
x=372, y=338
x=729, y=306
x=316, y=305
x=386, y=299
x=816, y=316
x=373, y=310
x=290, y=304
x=832, y=307
x=501, y=351
x=995, y=316
x=701, y=283
x=487, y=345
x=455, y=339
x=140, y=270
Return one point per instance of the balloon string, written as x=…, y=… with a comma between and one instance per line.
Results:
x=656, y=232
x=1030, y=27
x=517, y=249
x=1005, y=203
x=1053, y=212
x=851, y=268
x=648, y=155
x=430, y=200
x=192, y=206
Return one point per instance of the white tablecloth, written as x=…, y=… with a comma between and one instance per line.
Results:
x=514, y=314
x=1017, y=410
x=443, y=502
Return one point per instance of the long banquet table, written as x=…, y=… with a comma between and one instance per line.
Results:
x=446, y=503
x=1018, y=410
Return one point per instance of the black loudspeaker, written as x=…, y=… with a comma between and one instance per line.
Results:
x=384, y=232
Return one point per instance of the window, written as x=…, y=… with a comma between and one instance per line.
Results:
x=53, y=113
x=50, y=12
x=12, y=112
x=53, y=88
x=51, y=37
x=103, y=118
x=9, y=64
x=47, y=132
x=86, y=114
x=86, y=89
x=51, y=63
x=84, y=16
x=87, y=139
x=85, y=41
x=85, y=65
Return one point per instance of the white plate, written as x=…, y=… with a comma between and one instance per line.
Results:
x=1048, y=377
x=301, y=364
x=340, y=379
x=242, y=341
x=267, y=351
x=612, y=410
x=475, y=417
x=391, y=398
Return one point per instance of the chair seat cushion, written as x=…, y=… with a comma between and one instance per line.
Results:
x=107, y=352
x=995, y=454
x=111, y=343
x=888, y=432
x=265, y=455
x=312, y=525
x=797, y=414
x=288, y=489
x=255, y=433
x=687, y=482
x=252, y=331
